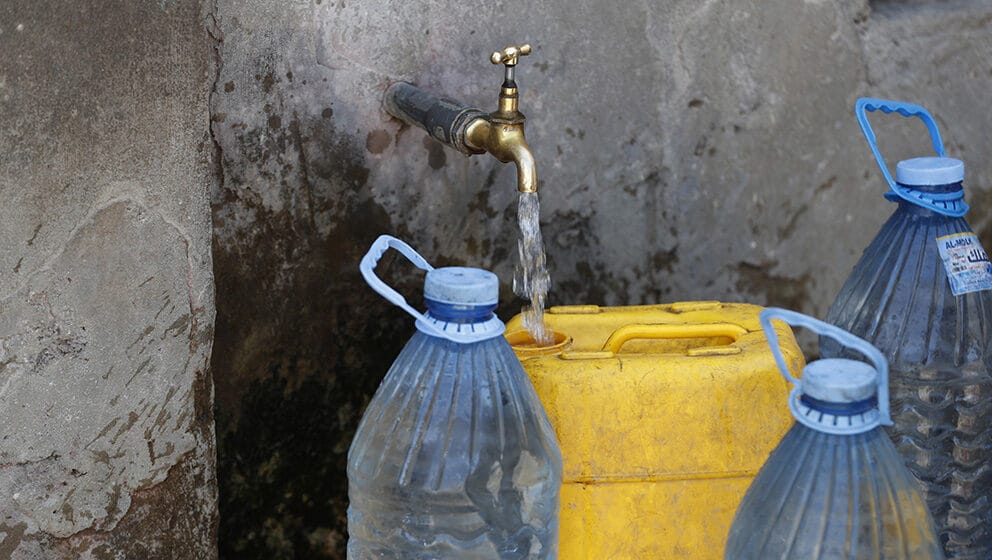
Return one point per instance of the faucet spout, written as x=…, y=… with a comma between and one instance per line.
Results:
x=506, y=142
x=526, y=169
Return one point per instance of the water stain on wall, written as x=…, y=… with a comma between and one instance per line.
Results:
x=301, y=341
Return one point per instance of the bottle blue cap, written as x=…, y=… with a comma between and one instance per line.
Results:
x=459, y=285
x=834, y=381
x=929, y=171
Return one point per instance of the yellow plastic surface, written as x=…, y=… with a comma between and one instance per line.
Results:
x=664, y=414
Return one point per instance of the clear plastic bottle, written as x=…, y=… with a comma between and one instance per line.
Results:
x=921, y=294
x=454, y=457
x=835, y=488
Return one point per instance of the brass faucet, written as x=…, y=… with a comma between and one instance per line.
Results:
x=502, y=133
x=471, y=131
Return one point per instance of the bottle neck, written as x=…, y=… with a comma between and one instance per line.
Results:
x=841, y=409
x=459, y=313
x=945, y=193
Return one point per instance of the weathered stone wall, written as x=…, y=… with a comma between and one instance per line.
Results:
x=106, y=288
x=687, y=150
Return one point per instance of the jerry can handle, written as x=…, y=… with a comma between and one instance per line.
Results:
x=655, y=331
x=367, y=268
x=840, y=335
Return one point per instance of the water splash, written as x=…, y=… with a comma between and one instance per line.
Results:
x=531, y=279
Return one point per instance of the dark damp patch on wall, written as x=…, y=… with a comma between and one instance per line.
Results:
x=299, y=358
x=301, y=341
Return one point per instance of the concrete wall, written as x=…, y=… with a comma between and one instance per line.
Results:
x=687, y=150
x=106, y=289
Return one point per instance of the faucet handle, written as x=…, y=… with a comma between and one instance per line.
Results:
x=509, y=55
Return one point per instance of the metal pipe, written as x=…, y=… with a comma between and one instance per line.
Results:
x=444, y=119
x=470, y=130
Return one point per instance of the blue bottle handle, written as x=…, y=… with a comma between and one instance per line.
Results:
x=367, y=268
x=843, y=337
x=867, y=104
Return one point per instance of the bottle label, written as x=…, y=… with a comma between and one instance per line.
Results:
x=967, y=264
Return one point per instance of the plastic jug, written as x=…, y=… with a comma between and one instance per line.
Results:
x=454, y=457
x=835, y=488
x=664, y=414
x=920, y=293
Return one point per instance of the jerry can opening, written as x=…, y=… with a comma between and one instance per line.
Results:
x=525, y=346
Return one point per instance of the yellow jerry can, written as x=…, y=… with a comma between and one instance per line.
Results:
x=664, y=415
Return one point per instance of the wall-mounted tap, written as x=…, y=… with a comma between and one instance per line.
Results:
x=469, y=130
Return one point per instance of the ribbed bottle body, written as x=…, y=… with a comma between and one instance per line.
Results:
x=833, y=497
x=898, y=298
x=454, y=458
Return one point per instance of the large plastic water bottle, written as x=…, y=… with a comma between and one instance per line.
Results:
x=835, y=488
x=920, y=293
x=454, y=457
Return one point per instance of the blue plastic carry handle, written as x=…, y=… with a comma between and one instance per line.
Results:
x=868, y=104
x=367, y=268
x=843, y=337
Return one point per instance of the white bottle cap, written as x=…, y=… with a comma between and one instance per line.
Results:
x=462, y=286
x=838, y=380
x=929, y=171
